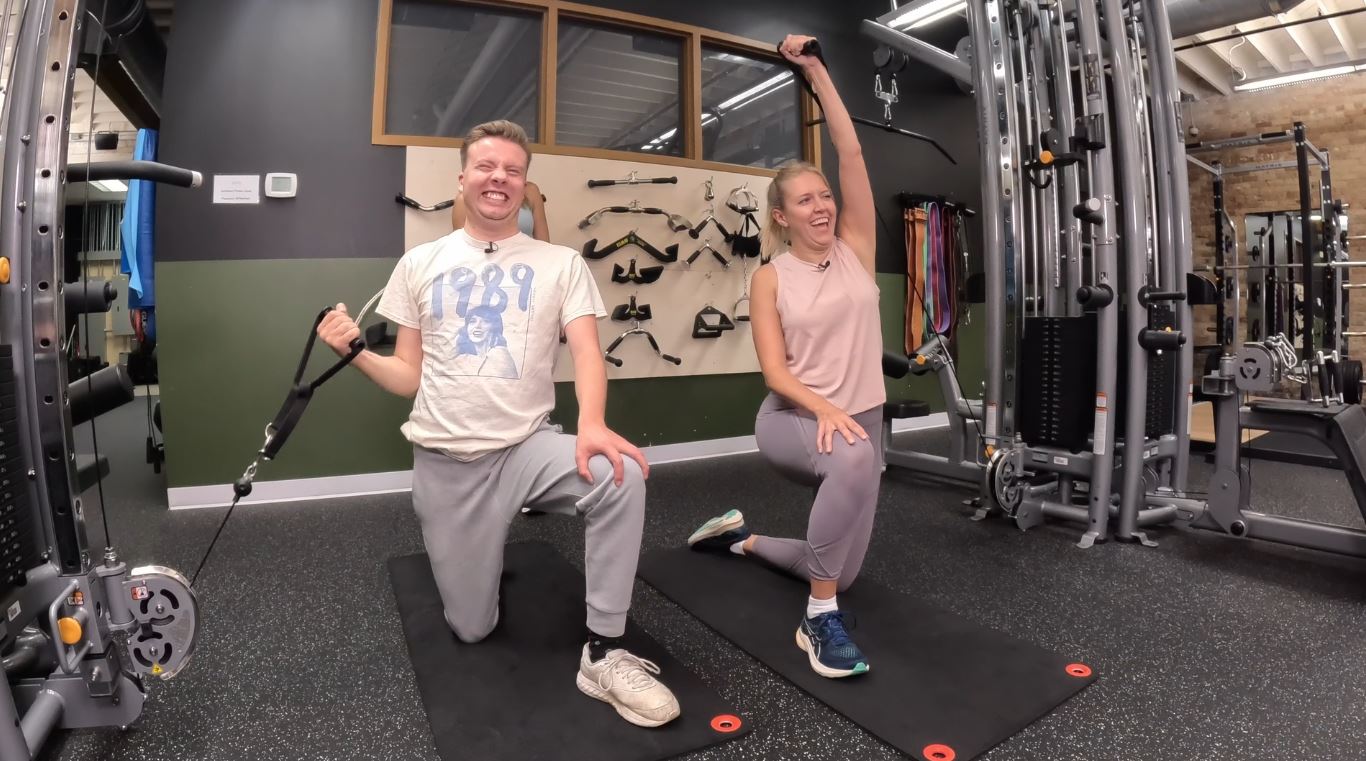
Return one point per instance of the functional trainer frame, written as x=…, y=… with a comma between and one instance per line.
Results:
x=80, y=636
x=1090, y=284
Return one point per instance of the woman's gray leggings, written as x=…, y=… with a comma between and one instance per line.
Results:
x=846, y=480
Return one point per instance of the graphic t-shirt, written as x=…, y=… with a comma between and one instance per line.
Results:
x=490, y=325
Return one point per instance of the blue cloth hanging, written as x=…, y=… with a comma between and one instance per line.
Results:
x=137, y=245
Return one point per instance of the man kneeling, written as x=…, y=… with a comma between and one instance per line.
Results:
x=480, y=313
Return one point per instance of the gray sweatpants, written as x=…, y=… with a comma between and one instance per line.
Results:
x=465, y=509
x=847, y=481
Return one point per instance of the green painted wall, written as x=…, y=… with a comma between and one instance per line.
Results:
x=230, y=334
x=229, y=337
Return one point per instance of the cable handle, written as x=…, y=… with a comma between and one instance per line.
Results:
x=296, y=401
x=412, y=204
x=650, y=181
x=811, y=48
x=356, y=347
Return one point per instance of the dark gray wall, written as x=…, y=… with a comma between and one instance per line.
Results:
x=256, y=86
x=286, y=85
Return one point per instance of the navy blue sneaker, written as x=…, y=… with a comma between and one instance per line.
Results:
x=718, y=534
x=828, y=647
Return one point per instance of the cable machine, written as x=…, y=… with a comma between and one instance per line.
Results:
x=1090, y=285
x=82, y=633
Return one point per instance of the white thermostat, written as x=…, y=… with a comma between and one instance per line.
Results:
x=281, y=185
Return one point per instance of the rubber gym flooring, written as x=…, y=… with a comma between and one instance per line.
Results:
x=1207, y=647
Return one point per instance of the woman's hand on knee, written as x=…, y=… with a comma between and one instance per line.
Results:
x=831, y=420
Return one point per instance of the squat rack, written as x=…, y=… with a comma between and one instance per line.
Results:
x=1316, y=203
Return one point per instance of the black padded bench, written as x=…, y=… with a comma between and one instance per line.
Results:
x=899, y=410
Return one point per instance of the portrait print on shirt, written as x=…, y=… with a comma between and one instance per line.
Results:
x=481, y=319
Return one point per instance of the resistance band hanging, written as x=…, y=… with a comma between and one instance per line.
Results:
x=960, y=256
x=915, y=279
x=936, y=267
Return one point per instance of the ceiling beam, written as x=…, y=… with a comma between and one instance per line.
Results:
x=1244, y=65
x=1268, y=44
x=1208, y=67
x=1343, y=33
x=1301, y=36
x=1222, y=49
x=1190, y=85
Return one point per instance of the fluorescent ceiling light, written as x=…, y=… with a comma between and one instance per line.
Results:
x=940, y=16
x=926, y=13
x=656, y=142
x=769, y=91
x=1300, y=76
x=737, y=102
x=755, y=90
x=732, y=58
x=110, y=186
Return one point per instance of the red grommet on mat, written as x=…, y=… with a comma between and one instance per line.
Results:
x=1079, y=670
x=725, y=723
x=938, y=753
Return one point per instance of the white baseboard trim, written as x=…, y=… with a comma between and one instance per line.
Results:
x=292, y=490
x=362, y=484
x=932, y=420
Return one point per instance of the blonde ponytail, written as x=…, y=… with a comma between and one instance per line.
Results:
x=773, y=238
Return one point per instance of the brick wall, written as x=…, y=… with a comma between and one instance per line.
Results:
x=1334, y=113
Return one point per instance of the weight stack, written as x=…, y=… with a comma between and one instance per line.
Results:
x=1057, y=381
x=20, y=530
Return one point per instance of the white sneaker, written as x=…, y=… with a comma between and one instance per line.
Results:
x=627, y=683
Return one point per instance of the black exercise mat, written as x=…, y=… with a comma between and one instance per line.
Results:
x=940, y=687
x=513, y=695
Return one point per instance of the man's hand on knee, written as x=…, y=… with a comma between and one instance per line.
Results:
x=601, y=440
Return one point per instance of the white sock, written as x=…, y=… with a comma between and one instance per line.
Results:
x=739, y=547
x=816, y=607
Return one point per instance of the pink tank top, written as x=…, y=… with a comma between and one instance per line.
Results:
x=832, y=328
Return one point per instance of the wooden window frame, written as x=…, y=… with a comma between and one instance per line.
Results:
x=692, y=37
